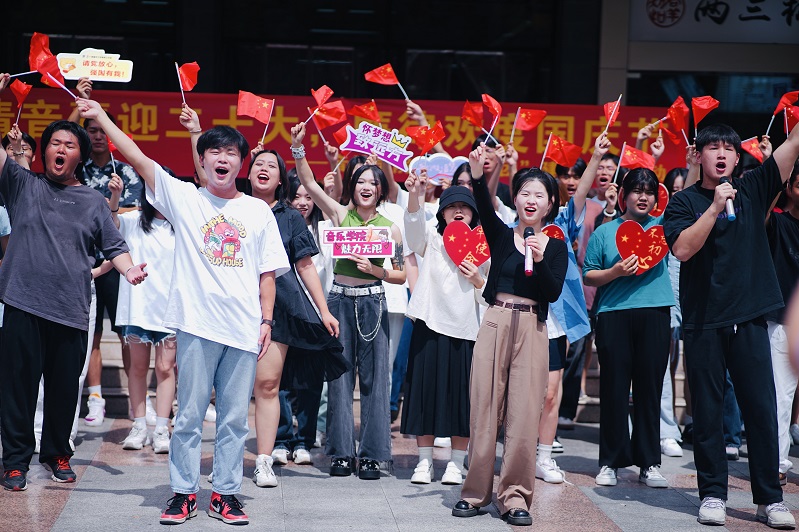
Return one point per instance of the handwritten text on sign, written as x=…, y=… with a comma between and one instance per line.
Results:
x=370, y=241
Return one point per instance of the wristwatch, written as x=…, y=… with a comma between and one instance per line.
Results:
x=271, y=323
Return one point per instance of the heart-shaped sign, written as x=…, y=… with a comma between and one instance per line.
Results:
x=553, y=231
x=650, y=245
x=663, y=200
x=461, y=242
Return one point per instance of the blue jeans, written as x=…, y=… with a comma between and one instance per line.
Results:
x=401, y=363
x=203, y=365
x=307, y=402
x=732, y=416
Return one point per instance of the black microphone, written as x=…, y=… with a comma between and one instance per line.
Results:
x=528, y=252
x=730, y=208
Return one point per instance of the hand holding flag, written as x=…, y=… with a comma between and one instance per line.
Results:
x=752, y=147
x=384, y=75
x=20, y=91
x=612, y=112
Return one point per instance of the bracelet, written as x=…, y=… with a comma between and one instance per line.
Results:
x=115, y=210
x=385, y=274
x=199, y=130
x=126, y=271
x=271, y=323
x=298, y=153
x=610, y=214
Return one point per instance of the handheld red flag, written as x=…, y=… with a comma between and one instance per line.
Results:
x=367, y=111
x=791, y=118
x=188, y=75
x=40, y=50
x=634, y=158
x=788, y=99
x=258, y=108
x=752, y=147
x=49, y=67
x=322, y=95
x=678, y=114
x=20, y=91
x=330, y=114
x=701, y=106
x=493, y=105
x=529, y=119
x=612, y=111
x=383, y=75
x=340, y=135
x=562, y=152
x=426, y=137
x=673, y=137
x=473, y=113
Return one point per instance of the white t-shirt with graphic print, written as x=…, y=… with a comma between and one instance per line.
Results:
x=222, y=246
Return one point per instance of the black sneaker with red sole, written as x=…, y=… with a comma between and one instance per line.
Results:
x=61, y=470
x=15, y=480
x=228, y=509
x=179, y=508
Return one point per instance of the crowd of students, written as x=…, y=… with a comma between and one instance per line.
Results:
x=241, y=299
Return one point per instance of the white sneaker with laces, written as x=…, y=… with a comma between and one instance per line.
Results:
x=161, y=440
x=264, y=477
x=280, y=456
x=137, y=438
x=423, y=474
x=96, y=413
x=453, y=475
x=606, y=476
x=712, y=512
x=549, y=472
x=670, y=447
x=210, y=413
x=302, y=457
x=442, y=442
x=149, y=412
x=652, y=477
x=776, y=515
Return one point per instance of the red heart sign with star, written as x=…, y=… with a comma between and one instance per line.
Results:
x=553, y=231
x=461, y=242
x=649, y=246
x=663, y=200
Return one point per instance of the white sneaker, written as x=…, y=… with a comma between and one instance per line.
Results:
x=557, y=447
x=320, y=440
x=423, y=474
x=280, y=456
x=732, y=453
x=301, y=457
x=713, y=511
x=210, y=413
x=442, y=442
x=653, y=478
x=670, y=447
x=149, y=414
x=37, y=447
x=794, y=431
x=776, y=515
x=453, y=475
x=137, y=438
x=161, y=440
x=606, y=476
x=264, y=477
x=96, y=413
x=549, y=472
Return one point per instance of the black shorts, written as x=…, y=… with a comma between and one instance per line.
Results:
x=557, y=353
x=107, y=288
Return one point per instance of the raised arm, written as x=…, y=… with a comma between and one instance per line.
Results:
x=657, y=148
x=601, y=147
x=414, y=112
x=333, y=209
x=143, y=165
x=115, y=186
x=415, y=228
x=190, y=120
x=15, y=141
x=692, y=163
x=84, y=90
x=786, y=154
x=333, y=185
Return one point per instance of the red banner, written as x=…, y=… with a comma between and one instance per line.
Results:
x=151, y=118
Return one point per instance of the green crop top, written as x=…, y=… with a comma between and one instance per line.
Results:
x=348, y=267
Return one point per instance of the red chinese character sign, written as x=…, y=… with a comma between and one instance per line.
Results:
x=370, y=241
x=650, y=247
x=663, y=200
x=389, y=146
x=461, y=242
x=553, y=231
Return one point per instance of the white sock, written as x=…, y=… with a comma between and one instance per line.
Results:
x=544, y=452
x=140, y=421
x=161, y=422
x=96, y=390
x=458, y=457
x=426, y=453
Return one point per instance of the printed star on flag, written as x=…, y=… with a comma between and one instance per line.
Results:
x=426, y=137
x=330, y=114
x=563, y=152
x=634, y=158
x=529, y=119
x=612, y=111
x=254, y=106
x=367, y=111
x=752, y=147
x=473, y=113
x=322, y=95
x=384, y=75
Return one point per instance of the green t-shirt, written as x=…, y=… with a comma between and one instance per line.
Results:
x=348, y=267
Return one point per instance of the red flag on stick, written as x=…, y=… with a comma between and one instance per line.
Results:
x=50, y=66
x=678, y=114
x=612, y=111
x=383, y=75
x=529, y=119
x=473, y=113
x=701, y=106
x=493, y=105
x=340, y=135
x=634, y=158
x=20, y=91
x=40, y=50
x=258, y=108
x=322, y=95
x=330, y=114
x=562, y=152
x=426, y=137
x=188, y=75
x=792, y=117
x=788, y=99
x=752, y=147
x=367, y=111
x=673, y=137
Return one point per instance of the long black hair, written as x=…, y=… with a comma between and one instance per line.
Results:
x=316, y=214
x=349, y=169
x=526, y=175
x=379, y=176
x=147, y=214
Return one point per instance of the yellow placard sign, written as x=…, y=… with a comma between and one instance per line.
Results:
x=96, y=65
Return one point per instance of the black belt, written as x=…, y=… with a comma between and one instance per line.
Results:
x=516, y=306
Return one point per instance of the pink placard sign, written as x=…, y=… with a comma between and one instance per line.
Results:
x=369, y=241
x=389, y=146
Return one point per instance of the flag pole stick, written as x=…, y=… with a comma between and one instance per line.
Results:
x=272, y=108
x=494, y=123
x=312, y=114
x=180, y=83
x=113, y=162
x=65, y=88
x=317, y=126
x=339, y=164
x=543, y=157
x=769, y=124
x=19, y=114
x=403, y=91
x=489, y=135
x=615, y=108
x=685, y=137
x=513, y=129
x=22, y=74
x=785, y=114
x=623, y=147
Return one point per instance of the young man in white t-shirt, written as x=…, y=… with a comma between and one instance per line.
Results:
x=227, y=254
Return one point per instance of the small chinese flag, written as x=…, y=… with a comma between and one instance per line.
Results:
x=40, y=50
x=788, y=99
x=701, y=106
x=367, y=111
x=426, y=137
x=50, y=66
x=188, y=75
x=330, y=114
x=634, y=158
x=752, y=147
x=678, y=114
x=529, y=119
x=493, y=105
x=20, y=91
x=322, y=95
x=383, y=75
x=473, y=113
x=612, y=111
x=792, y=114
x=251, y=105
x=674, y=138
x=563, y=152
x=340, y=135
